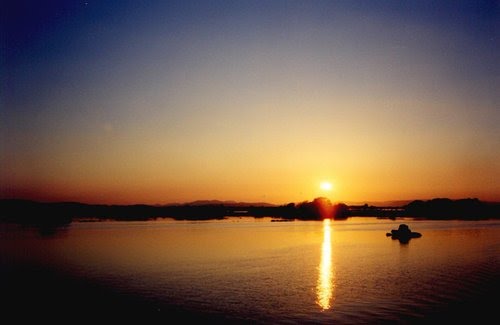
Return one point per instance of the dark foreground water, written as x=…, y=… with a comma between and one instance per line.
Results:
x=243, y=270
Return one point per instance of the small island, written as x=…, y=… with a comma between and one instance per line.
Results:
x=403, y=233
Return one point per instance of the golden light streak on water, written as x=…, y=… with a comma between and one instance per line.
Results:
x=325, y=287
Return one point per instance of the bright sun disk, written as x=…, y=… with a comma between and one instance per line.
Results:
x=326, y=186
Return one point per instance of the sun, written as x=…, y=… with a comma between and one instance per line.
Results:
x=326, y=186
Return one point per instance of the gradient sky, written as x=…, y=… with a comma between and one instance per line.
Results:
x=174, y=101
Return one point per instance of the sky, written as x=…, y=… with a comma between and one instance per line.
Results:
x=156, y=102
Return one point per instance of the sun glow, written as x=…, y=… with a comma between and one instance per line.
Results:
x=326, y=186
x=325, y=286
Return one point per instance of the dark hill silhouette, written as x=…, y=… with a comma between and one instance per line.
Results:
x=443, y=208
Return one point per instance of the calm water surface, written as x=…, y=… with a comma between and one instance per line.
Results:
x=246, y=269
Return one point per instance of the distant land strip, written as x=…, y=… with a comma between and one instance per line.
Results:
x=61, y=213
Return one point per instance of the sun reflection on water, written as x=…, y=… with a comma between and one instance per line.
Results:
x=325, y=287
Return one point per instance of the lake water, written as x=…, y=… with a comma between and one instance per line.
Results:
x=253, y=270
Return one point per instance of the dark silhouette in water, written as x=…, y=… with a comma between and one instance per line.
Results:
x=403, y=234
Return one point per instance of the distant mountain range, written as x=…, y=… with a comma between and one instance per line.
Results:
x=228, y=203
x=394, y=203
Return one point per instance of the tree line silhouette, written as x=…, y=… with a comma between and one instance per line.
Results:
x=62, y=213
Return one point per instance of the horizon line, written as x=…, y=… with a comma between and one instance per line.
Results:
x=399, y=202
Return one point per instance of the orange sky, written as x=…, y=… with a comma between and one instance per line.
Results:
x=175, y=103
